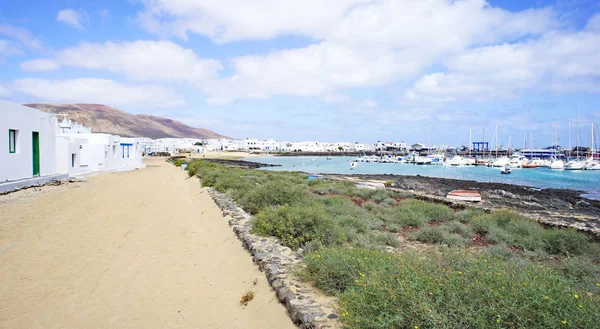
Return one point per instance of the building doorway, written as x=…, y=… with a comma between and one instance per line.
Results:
x=35, y=147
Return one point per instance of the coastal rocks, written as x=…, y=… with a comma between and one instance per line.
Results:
x=278, y=262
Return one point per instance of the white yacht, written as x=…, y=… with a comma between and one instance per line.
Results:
x=575, y=165
x=557, y=164
x=592, y=164
x=457, y=161
x=517, y=160
x=501, y=162
x=421, y=160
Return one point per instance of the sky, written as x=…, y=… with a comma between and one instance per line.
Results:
x=430, y=71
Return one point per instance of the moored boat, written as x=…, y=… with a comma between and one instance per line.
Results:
x=557, y=164
x=500, y=162
x=574, y=165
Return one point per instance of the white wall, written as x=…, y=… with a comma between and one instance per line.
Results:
x=26, y=120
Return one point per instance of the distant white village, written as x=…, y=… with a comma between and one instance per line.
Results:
x=190, y=145
x=43, y=147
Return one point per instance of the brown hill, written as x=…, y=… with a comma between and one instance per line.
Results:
x=105, y=119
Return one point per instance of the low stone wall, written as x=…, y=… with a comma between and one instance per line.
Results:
x=12, y=186
x=278, y=263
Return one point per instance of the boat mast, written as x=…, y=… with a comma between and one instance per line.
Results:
x=509, y=144
x=530, y=140
x=593, y=150
x=570, y=139
x=578, y=133
x=470, y=141
x=496, y=134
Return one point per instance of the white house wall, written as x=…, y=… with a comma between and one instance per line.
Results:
x=25, y=120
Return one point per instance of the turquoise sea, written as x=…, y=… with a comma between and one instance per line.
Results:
x=587, y=181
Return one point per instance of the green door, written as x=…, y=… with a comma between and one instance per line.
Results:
x=35, y=140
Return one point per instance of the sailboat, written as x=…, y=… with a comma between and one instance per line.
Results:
x=502, y=161
x=575, y=164
x=557, y=164
x=592, y=163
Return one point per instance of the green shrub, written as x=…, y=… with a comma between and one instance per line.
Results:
x=417, y=213
x=376, y=195
x=449, y=289
x=369, y=205
x=387, y=239
x=437, y=235
x=272, y=193
x=582, y=270
x=511, y=228
x=389, y=201
x=459, y=228
x=297, y=225
x=565, y=242
x=465, y=216
x=333, y=270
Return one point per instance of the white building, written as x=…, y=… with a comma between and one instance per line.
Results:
x=27, y=137
x=173, y=146
x=40, y=149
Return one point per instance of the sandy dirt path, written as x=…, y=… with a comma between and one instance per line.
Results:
x=144, y=249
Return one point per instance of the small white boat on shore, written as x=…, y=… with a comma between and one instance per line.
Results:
x=464, y=195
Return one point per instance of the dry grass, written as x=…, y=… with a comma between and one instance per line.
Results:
x=247, y=297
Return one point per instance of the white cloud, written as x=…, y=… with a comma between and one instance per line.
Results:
x=4, y=91
x=21, y=35
x=9, y=48
x=100, y=91
x=369, y=103
x=218, y=101
x=37, y=65
x=361, y=44
x=334, y=98
x=316, y=70
x=72, y=17
x=560, y=62
x=231, y=20
x=162, y=61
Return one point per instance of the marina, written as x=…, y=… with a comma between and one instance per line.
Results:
x=587, y=181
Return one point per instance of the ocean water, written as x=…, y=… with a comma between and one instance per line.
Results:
x=587, y=181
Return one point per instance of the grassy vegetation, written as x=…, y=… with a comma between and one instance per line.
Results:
x=470, y=269
x=449, y=289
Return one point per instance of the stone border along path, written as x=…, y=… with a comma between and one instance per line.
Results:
x=278, y=263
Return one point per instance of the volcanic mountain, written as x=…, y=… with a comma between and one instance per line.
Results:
x=106, y=119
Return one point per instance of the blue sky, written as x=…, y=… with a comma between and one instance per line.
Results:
x=341, y=70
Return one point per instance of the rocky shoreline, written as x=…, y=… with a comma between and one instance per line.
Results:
x=241, y=163
x=557, y=207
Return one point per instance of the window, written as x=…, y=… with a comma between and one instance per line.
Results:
x=12, y=140
x=73, y=159
x=125, y=151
